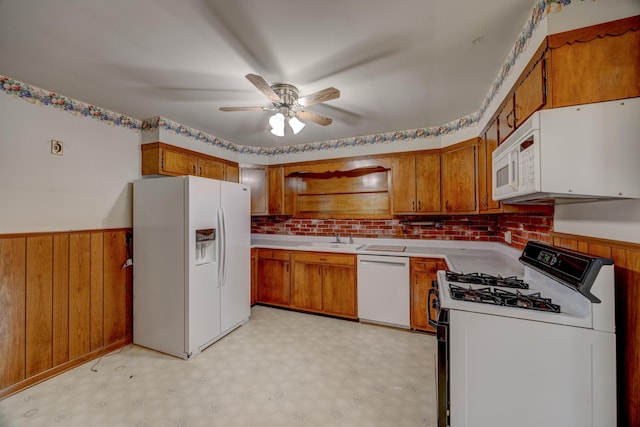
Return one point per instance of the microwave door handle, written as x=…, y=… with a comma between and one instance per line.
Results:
x=513, y=169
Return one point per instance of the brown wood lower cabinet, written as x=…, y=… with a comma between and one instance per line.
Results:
x=274, y=277
x=325, y=283
x=318, y=282
x=423, y=273
x=64, y=299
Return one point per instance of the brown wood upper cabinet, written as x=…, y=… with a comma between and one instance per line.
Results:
x=416, y=184
x=531, y=94
x=256, y=178
x=595, y=64
x=270, y=192
x=163, y=159
x=459, y=177
x=279, y=195
x=506, y=120
x=488, y=143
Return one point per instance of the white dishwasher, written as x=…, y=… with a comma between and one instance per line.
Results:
x=383, y=290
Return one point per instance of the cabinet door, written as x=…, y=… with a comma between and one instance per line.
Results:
x=598, y=68
x=488, y=143
x=256, y=179
x=459, y=179
x=210, y=169
x=254, y=276
x=530, y=95
x=275, y=189
x=506, y=121
x=427, y=179
x=306, y=290
x=403, y=177
x=176, y=163
x=423, y=273
x=232, y=173
x=273, y=281
x=339, y=290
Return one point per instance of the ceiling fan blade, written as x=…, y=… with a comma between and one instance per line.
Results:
x=321, y=96
x=244, y=109
x=313, y=117
x=263, y=86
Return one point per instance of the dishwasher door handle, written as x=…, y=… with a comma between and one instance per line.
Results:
x=389, y=263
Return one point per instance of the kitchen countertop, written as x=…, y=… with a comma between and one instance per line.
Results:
x=462, y=256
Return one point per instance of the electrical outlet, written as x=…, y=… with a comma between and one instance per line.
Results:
x=507, y=236
x=56, y=147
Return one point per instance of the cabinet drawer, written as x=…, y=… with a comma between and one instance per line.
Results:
x=274, y=254
x=324, y=258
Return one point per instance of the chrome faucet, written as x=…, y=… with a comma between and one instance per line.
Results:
x=351, y=240
x=338, y=238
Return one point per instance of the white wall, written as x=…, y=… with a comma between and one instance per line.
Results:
x=583, y=13
x=88, y=187
x=615, y=220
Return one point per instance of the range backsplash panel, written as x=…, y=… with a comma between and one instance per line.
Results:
x=481, y=228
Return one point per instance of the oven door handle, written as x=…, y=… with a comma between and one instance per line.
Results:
x=432, y=302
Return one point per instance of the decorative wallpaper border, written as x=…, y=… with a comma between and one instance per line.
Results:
x=39, y=96
x=42, y=97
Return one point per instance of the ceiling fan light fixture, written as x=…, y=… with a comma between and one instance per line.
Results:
x=277, y=124
x=296, y=125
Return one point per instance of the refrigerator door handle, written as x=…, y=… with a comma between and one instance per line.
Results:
x=224, y=246
x=220, y=248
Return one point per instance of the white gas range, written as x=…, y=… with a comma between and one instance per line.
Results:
x=537, y=350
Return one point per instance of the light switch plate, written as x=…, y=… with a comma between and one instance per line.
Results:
x=56, y=147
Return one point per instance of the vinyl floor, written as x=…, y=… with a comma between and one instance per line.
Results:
x=282, y=368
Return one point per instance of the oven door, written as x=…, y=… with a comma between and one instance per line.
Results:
x=441, y=324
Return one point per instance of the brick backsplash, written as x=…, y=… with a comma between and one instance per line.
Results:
x=484, y=228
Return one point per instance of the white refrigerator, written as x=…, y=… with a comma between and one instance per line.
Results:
x=191, y=262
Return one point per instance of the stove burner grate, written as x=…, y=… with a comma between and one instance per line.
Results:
x=486, y=279
x=496, y=296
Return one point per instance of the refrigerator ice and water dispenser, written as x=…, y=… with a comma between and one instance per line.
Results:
x=205, y=246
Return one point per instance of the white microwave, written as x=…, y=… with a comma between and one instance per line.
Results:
x=571, y=154
x=516, y=163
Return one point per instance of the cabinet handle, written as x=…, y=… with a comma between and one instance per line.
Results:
x=413, y=205
x=200, y=170
x=446, y=205
x=286, y=264
x=511, y=125
x=419, y=205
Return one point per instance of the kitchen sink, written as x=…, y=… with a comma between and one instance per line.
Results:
x=334, y=245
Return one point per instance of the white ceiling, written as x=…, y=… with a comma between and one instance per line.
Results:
x=399, y=64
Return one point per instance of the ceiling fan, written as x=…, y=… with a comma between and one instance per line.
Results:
x=288, y=104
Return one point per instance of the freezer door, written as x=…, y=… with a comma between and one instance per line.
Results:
x=202, y=290
x=236, y=254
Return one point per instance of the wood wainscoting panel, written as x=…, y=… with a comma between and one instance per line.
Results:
x=97, y=290
x=39, y=307
x=627, y=266
x=115, y=286
x=12, y=307
x=64, y=300
x=79, y=294
x=626, y=257
x=60, y=298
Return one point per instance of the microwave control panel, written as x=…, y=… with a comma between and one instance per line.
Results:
x=527, y=166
